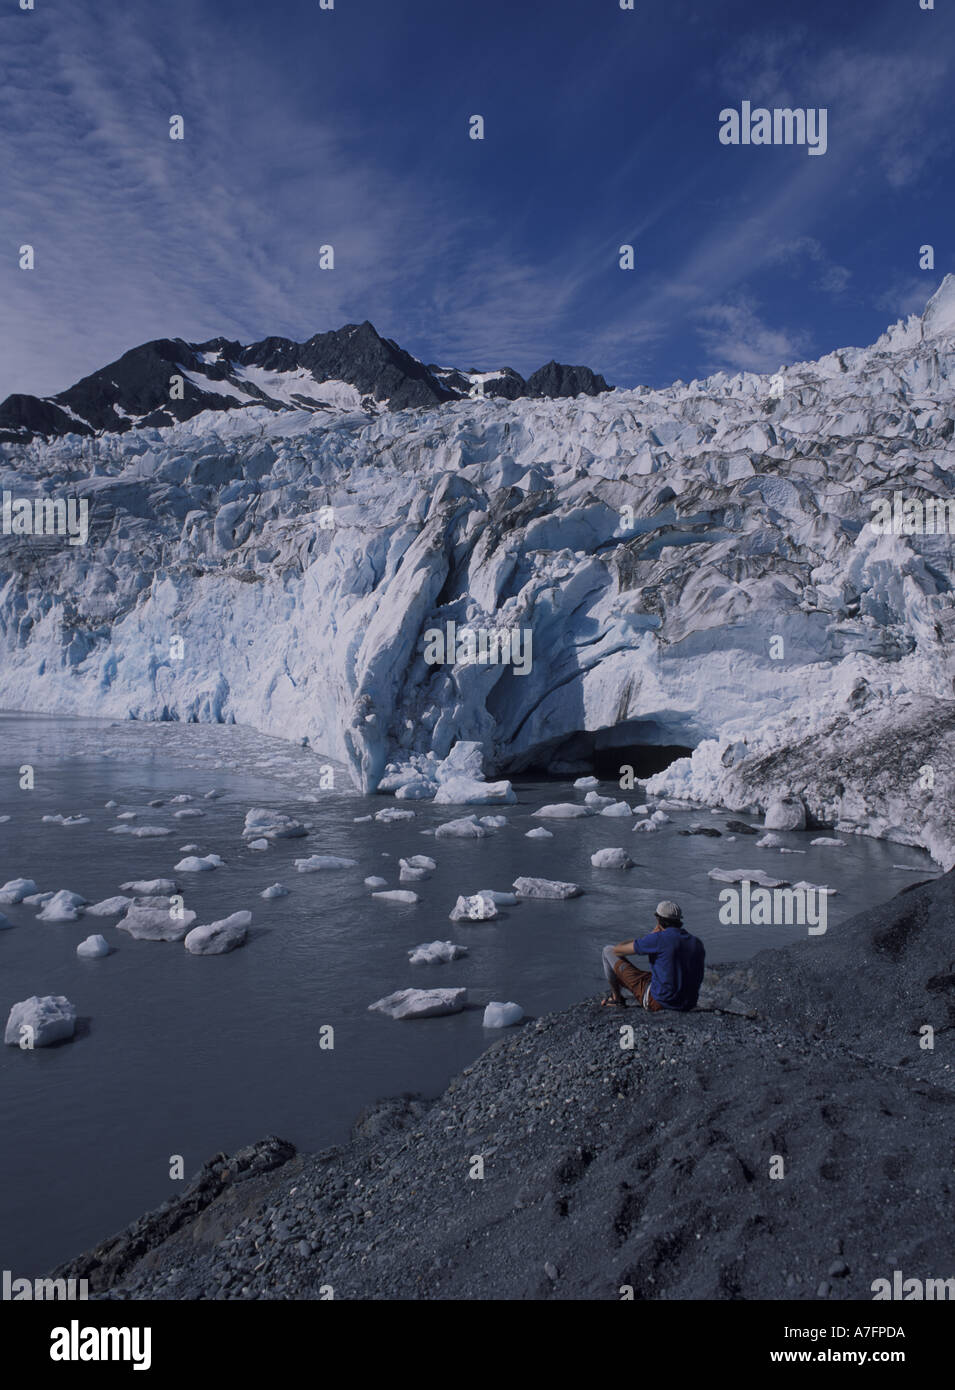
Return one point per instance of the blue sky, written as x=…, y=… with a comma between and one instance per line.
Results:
x=350, y=127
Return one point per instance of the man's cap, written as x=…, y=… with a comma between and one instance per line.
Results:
x=669, y=912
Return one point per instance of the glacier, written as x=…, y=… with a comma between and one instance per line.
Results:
x=279, y=570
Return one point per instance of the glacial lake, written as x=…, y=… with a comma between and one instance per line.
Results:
x=184, y=1055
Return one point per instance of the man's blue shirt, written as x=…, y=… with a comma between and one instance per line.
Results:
x=676, y=966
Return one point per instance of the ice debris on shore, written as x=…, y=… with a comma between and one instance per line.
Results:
x=275, y=890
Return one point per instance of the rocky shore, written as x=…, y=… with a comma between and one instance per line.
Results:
x=792, y=1138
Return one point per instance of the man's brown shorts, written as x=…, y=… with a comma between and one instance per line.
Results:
x=637, y=982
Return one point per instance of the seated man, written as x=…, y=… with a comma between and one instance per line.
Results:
x=676, y=965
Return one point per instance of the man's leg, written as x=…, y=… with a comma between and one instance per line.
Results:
x=621, y=973
x=610, y=963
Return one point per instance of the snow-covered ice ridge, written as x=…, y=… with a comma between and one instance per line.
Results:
x=750, y=499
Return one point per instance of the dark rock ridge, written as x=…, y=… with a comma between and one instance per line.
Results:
x=607, y=1167
x=134, y=391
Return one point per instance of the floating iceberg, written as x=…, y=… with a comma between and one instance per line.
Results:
x=502, y=1015
x=94, y=948
x=421, y=1003
x=40, y=1021
x=216, y=938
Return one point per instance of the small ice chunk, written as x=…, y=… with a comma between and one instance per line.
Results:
x=466, y=828
x=494, y=822
x=192, y=813
x=317, y=862
x=416, y=869
x=421, y=1003
x=544, y=888
x=262, y=822
x=611, y=859
x=94, y=948
x=816, y=888
x=476, y=908
x=641, y=810
x=213, y=795
x=188, y=849
x=158, y=802
x=463, y=790
x=390, y=813
x=660, y=818
x=109, y=907
x=64, y=906
x=539, y=833
x=145, y=832
x=583, y=783
x=151, y=886
x=397, y=895
x=375, y=882
x=128, y=815
x=16, y=889
x=417, y=789
x=276, y=890
x=748, y=875
x=258, y=844
x=37, y=899
x=502, y=1015
x=40, y=1021
x=111, y=805
x=215, y=938
x=617, y=808
x=156, y=923
x=180, y=799
x=360, y=820
x=436, y=953
x=769, y=841
x=597, y=803
x=193, y=864
x=784, y=850
x=563, y=810
x=827, y=840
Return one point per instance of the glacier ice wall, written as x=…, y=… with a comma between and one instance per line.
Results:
x=653, y=542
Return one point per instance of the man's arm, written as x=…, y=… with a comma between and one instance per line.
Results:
x=624, y=949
